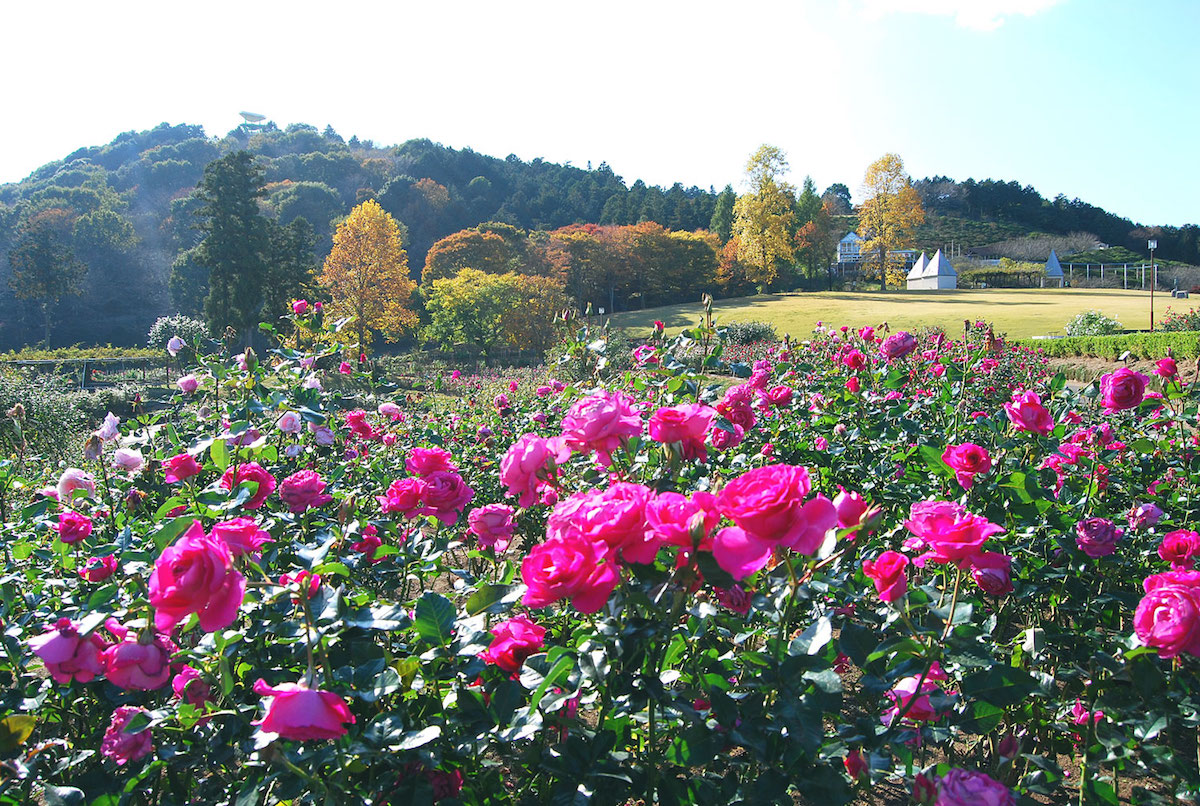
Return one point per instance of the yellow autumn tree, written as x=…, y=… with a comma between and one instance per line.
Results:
x=763, y=218
x=890, y=213
x=366, y=274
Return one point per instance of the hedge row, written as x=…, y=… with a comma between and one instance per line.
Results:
x=1139, y=345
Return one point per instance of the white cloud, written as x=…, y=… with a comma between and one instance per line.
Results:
x=979, y=15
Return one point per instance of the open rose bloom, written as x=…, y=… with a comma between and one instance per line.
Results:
x=295, y=711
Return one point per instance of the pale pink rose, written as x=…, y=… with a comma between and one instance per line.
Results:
x=390, y=410
x=128, y=459
x=298, y=712
x=74, y=480
x=175, y=345
x=322, y=434
x=110, y=429
x=492, y=526
x=290, y=423
x=196, y=575
x=188, y=383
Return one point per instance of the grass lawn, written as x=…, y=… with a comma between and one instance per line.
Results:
x=1020, y=313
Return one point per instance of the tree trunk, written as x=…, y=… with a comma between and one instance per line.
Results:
x=882, y=269
x=46, y=324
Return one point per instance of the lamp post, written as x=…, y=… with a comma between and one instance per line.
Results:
x=1153, y=244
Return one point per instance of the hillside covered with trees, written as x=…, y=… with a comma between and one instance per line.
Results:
x=96, y=246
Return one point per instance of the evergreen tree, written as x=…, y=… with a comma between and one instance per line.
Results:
x=808, y=204
x=722, y=217
x=44, y=266
x=236, y=242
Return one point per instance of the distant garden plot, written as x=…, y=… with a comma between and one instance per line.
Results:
x=1021, y=313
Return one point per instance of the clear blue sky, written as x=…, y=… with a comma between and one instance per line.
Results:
x=1095, y=99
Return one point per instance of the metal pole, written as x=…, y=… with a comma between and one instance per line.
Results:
x=1153, y=282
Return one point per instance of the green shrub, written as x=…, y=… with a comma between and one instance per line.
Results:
x=185, y=327
x=1139, y=345
x=52, y=420
x=750, y=332
x=78, y=352
x=1092, y=323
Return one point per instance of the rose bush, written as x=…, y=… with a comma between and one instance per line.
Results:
x=837, y=574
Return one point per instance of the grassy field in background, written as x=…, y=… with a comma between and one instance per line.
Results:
x=1020, y=313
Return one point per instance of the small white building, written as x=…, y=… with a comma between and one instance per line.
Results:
x=1054, y=272
x=935, y=274
x=849, y=248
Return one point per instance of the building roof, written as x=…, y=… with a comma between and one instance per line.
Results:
x=850, y=236
x=917, y=271
x=1053, y=267
x=939, y=267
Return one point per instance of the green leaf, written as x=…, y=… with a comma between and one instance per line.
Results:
x=15, y=730
x=435, y=618
x=814, y=638
x=420, y=738
x=559, y=671
x=1000, y=685
x=173, y=529
x=485, y=597
x=63, y=795
x=219, y=453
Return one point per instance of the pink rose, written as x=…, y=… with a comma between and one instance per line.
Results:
x=513, y=641
x=308, y=582
x=683, y=522
x=645, y=354
x=390, y=410
x=128, y=459
x=852, y=509
x=289, y=423
x=992, y=572
x=137, y=662
x=445, y=495
x=968, y=788
x=952, y=534
x=241, y=535
x=1166, y=368
x=196, y=575
x=98, y=569
x=250, y=472
x=180, y=467
x=190, y=687
x=854, y=360
x=739, y=553
x=344, y=368
x=121, y=746
x=614, y=516
x=73, y=527
x=188, y=384
x=686, y=424
x=529, y=466
x=358, y=424
x=423, y=461
x=403, y=497
x=1123, y=389
x=599, y=423
x=492, y=526
x=369, y=543
x=736, y=406
x=322, y=434
x=780, y=396
x=1168, y=617
x=569, y=567
x=298, y=712
x=1027, y=413
x=722, y=438
x=853, y=385
x=889, y=574
x=300, y=307
x=967, y=461
x=1144, y=516
x=768, y=503
x=904, y=692
x=856, y=766
x=174, y=345
x=1180, y=548
x=303, y=491
x=68, y=655
x=74, y=480
x=1097, y=537
x=898, y=345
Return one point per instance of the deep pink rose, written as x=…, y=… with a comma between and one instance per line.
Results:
x=768, y=503
x=686, y=424
x=123, y=747
x=1097, y=537
x=423, y=461
x=190, y=687
x=852, y=509
x=614, y=516
x=303, y=491
x=241, y=535
x=722, y=439
x=903, y=692
x=445, y=495
x=889, y=573
x=1168, y=617
x=736, y=406
x=529, y=465
x=98, y=569
x=196, y=575
x=969, y=788
x=599, y=423
x=780, y=396
x=68, y=655
x=357, y=422
x=308, y=582
x=951, y=533
x=1166, y=368
x=853, y=385
x=492, y=525
x=1180, y=548
x=73, y=527
x=967, y=461
x=403, y=497
x=1123, y=389
x=855, y=360
x=992, y=572
x=856, y=766
x=180, y=467
x=682, y=521
x=513, y=641
x=898, y=345
x=569, y=567
x=137, y=662
x=300, y=307
x=251, y=471
x=1027, y=413
x=298, y=712
x=739, y=553
x=370, y=541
